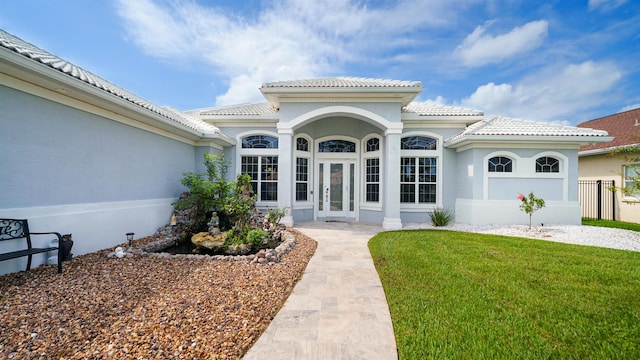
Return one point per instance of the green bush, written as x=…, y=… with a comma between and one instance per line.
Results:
x=255, y=238
x=441, y=216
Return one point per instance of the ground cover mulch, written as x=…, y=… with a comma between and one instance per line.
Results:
x=144, y=308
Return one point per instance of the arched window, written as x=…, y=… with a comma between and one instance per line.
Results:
x=336, y=146
x=373, y=144
x=259, y=142
x=418, y=143
x=500, y=164
x=547, y=164
x=302, y=144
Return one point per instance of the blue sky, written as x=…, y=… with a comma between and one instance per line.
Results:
x=561, y=61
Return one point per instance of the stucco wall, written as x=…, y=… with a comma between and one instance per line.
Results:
x=605, y=167
x=70, y=171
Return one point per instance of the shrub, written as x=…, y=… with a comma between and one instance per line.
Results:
x=255, y=238
x=441, y=216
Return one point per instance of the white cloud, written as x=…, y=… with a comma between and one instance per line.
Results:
x=556, y=93
x=605, y=5
x=287, y=39
x=630, y=107
x=479, y=48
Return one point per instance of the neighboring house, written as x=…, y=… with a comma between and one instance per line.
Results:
x=81, y=155
x=598, y=163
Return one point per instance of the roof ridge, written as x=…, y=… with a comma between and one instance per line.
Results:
x=36, y=54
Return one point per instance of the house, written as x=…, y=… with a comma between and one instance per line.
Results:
x=81, y=155
x=597, y=161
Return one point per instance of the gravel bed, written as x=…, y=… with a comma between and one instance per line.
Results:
x=145, y=308
x=572, y=234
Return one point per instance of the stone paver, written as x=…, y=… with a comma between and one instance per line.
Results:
x=338, y=309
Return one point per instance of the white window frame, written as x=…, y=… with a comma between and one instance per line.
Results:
x=630, y=197
x=307, y=204
x=437, y=153
x=240, y=152
x=366, y=155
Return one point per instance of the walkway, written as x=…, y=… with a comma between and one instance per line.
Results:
x=338, y=309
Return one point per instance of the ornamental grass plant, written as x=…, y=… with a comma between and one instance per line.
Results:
x=455, y=295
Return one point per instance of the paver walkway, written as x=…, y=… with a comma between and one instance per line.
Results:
x=338, y=309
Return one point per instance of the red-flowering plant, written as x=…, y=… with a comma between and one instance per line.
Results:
x=530, y=203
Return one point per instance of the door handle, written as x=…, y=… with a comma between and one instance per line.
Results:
x=326, y=194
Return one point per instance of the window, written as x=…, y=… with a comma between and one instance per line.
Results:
x=372, y=180
x=371, y=160
x=302, y=144
x=302, y=179
x=418, y=143
x=418, y=180
x=303, y=176
x=547, y=164
x=259, y=142
x=373, y=144
x=259, y=160
x=336, y=146
x=500, y=164
x=631, y=179
x=263, y=171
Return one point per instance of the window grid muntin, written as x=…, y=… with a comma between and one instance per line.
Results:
x=302, y=179
x=336, y=146
x=373, y=144
x=259, y=142
x=418, y=142
x=372, y=180
x=263, y=171
x=547, y=164
x=418, y=176
x=501, y=164
x=302, y=144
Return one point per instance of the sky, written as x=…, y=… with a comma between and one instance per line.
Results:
x=563, y=61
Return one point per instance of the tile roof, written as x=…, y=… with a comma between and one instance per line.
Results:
x=242, y=109
x=504, y=126
x=431, y=109
x=624, y=126
x=344, y=82
x=34, y=53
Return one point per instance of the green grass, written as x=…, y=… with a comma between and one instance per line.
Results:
x=455, y=295
x=611, y=224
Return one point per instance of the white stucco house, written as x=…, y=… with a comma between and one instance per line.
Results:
x=81, y=155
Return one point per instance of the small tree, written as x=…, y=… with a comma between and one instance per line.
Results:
x=530, y=204
x=209, y=193
x=241, y=204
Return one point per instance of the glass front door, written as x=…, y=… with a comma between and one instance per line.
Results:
x=335, y=183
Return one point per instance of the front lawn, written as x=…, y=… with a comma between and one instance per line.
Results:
x=459, y=295
x=611, y=224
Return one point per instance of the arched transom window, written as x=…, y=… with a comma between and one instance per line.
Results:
x=418, y=143
x=336, y=146
x=259, y=142
x=500, y=164
x=547, y=164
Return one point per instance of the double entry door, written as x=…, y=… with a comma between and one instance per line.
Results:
x=336, y=188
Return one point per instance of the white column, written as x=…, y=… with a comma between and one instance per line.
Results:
x=391, y=177
x=285, y=174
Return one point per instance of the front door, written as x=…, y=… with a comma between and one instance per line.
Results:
x=336, y=186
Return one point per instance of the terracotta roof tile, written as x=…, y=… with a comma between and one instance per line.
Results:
x=624, y=126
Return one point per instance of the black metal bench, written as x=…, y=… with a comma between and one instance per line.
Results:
x=12, y=229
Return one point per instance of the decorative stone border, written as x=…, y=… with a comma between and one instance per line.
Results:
x=264, y=256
